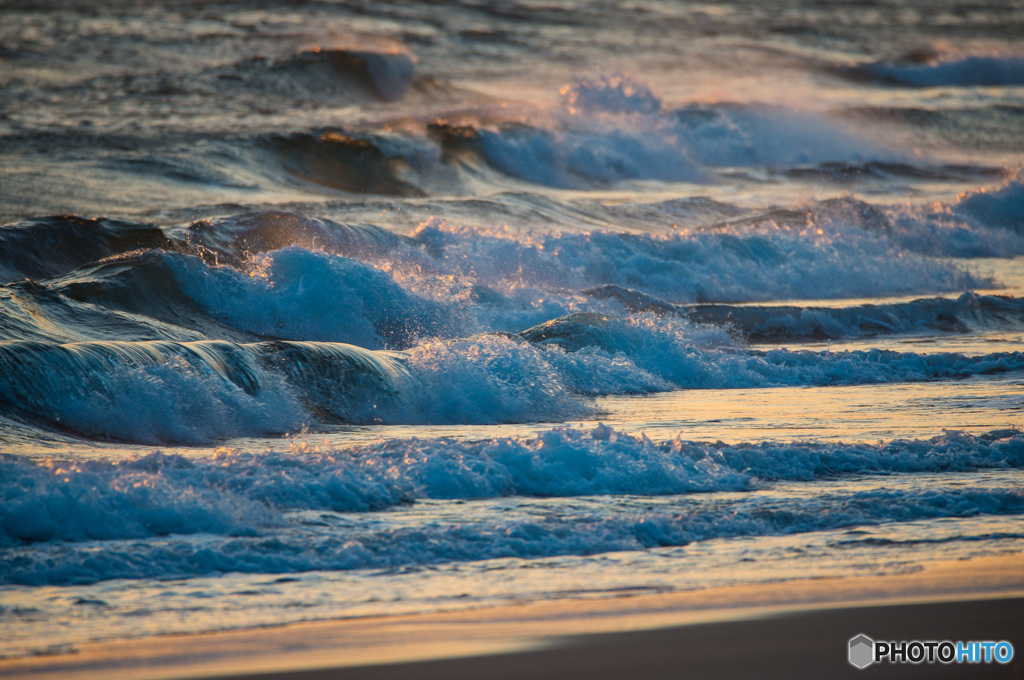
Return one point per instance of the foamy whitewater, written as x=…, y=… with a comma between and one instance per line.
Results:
x=330, y=311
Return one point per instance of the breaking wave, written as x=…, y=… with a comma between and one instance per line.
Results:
x=957, y=71
x=154, y=392
x=754, y=323
x=236, y=503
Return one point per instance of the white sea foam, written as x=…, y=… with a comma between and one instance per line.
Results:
x=768, y=260
x=300, y=549
x=781, y=323
x=615, y=129
x=248, y=511
x=983, y=223
x=192, y=392
x=1001, y=207
x=196, y=392
x=298, y=294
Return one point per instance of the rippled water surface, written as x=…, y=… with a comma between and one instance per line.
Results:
x=329, y=310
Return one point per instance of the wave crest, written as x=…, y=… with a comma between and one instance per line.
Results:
x=958, y=71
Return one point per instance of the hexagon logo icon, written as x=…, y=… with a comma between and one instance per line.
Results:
x=862, y=651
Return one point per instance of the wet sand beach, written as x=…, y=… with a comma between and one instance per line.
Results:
x=796, y=629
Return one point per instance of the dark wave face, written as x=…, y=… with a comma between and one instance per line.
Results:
x=341, y=161
x=320, y=71
x=45, y=247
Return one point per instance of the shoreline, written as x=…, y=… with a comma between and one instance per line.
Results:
x=968, y=596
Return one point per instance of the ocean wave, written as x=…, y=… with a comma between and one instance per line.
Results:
x=615, y=94
x=981, y=223
x=846, y=172
x=234, y=91
x=285, y=276
x=561, y=462
x=297, y=294
x=732, y=135
x=615, y=129
x=833, y=251
x=34, y=311
x=576, y=159
x=681, y=145
x=275, y=274
x=720, y=134
x=143, y=289
x=50, y=246
x=153, y=392
x=247, y=500
x=952, y=70
x=290, y=294
x=676, y=355
x=1001, y=207
x=389, y=73
x=969, y=312
x=236, y=239
x=249, y=279
x=42, y=247
x=349, y=74
x=167, y=392
x=347, y=549
x=995, y=127
x=356, y=163
x=833, y=248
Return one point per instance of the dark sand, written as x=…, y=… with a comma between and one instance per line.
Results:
x=795, y=646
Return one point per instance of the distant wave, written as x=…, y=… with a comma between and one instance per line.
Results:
x=351, y=74
x=358, y=164
x=845, y=172
x=389, y=73
x=597, y=145
x=576, y=159
x=790, y=323
x=238, y=500
x=836, y=249
x=959, y=71
x=592, y=148
x=666, y=352
x=606, y=133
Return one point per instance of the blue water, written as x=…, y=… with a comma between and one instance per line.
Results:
x=328, y=311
